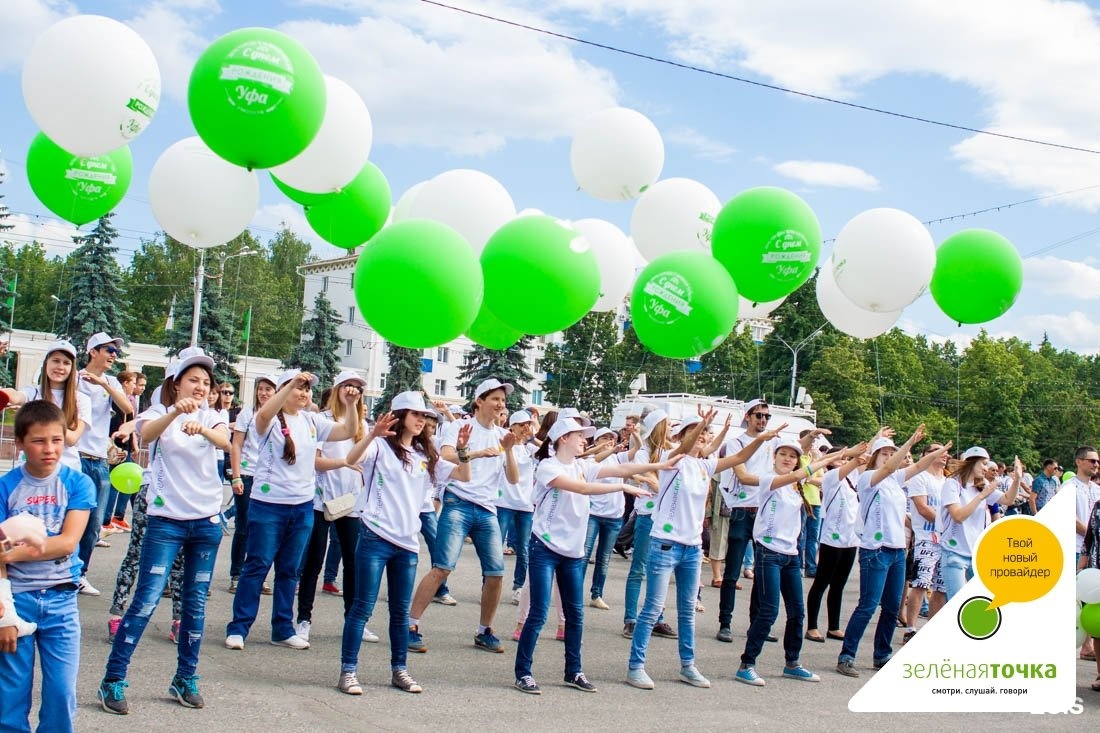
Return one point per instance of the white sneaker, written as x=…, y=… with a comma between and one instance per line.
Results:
x=302, y=630
x=85, y=588
x=446, y=599
x=515, y=596
x=292, y=642
x=234, y=641
x=369, y=636
x=600, y=604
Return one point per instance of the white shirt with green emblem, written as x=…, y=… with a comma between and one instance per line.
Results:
x=278, y=482
x=250, y=449
x=184, y=482
x=779, y=518
x=682, y=499
x=735, y=494
x=840, y=511
x=561, y=517
x=882, y=510
x=961, y=538
x=645, y=504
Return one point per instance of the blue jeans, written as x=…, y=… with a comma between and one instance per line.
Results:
x=429, y=529
x=460, y=518
x=665, y=560
x=807, y=541
x=956, y=569
x=643, y=525
x=164, y=539
x=57, y=642
x=99, y=472
x=545, y=563
x=606, y=529
x=332, y=557
x=240, y=528
x=519, y=523
x=738, y=547
x=373, y=556
x=277, y=534
x=881, y=582
x=777, y=575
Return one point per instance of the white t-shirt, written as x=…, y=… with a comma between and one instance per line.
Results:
x=250, y=449
x=279, y=482
x=734, y=493
x=485, y=473
x=682, y=499
x=520, y=496
x=184, y=481
x=339, y=481
x=71, y=455
x=613, y=505
x=561, y=517
x=224, y=415
x=930, y=487
x=393, y=494
x=1087, y=493
x=97, y=437
x=963, y=538
x=839, y=511
x=646, y=504
x=882, y=511
x=779, y=519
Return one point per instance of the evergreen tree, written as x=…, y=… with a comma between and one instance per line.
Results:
x=216, y=332
x=318, y=351
x=730, y=370
x=403, y=375
x=507, y=365
x=581, y=375
x=96, y=299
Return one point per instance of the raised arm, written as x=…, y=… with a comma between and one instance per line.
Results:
x=271, y=408
x=347, y=427
x=747, y=452
x=894, y=462
x=926, y=461
x=626, y=470
x=786, y=479
x=1009, y=497
x=383, y=428
x=718, y=439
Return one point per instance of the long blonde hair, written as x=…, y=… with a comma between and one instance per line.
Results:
x=68, y=392
x=657, y=440
x=963, y=471
x=336, y=407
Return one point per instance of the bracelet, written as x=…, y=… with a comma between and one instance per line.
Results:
x=809, y=473
x=236, y=480
x=463, y=455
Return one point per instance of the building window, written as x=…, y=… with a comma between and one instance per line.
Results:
x=351, y=314
x=536, y=397
x=382, y=381
x=347, y=348
x=351, y=284
x=441, y=387
x=324, y=283
x=441, y=354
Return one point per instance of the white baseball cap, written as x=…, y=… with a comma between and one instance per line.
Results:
x=171, y=370
x=273, y=379
x=569, y=425
x=975, y=452
x=881, y=443
x=490, y=384
x=651, y=421
x=102, y=339
x=347, y=375
x=290, y=374
x=790, y=443
x=411, y=400
x=192, y=356
x=687, y=423
x=61, y=345
x=749, y=408
x=520, y=417
x=574, y=414
x=602, y=432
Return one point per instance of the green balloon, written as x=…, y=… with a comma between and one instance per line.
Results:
x=77, y=189
x=491, y=332
x=305, y=198
x=256, y=97
x=537, y=251
x=684, y=304
x=418, y=284
x=978, y=275
x=126, y=477
x=1090, y=619
x=354, y=214
x=769, y=240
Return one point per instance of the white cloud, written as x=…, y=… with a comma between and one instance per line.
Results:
x=273, y=218
x=23, y=21
x=56, y=236
x=1063, y=278
x=1074, y=330
x=700, y=145
x=821, y=173
x=171, y=28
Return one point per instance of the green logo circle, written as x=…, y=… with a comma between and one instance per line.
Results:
x=836, y=535
x=649, y=505
x=768, y=540
x=667, y=527
x=545, y=536
x=159, y=501
x=265, y=488
x=878, y=535
x=742, y=495
x=952, y=542
x=977, y=620
x=500, y=492
x=244, y=464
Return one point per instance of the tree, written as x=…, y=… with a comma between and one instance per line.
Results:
x=317, y=352
x=580, y=373
x=630, y=359
x=794, y=320
x=216, y=333
x=160, y=281
x=96, y=300
x=845, y=395
x=403, y=375
x=507, y=365
x=729, y=370
x=992, y=388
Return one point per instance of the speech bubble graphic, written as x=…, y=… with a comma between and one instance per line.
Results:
x=1019, y=560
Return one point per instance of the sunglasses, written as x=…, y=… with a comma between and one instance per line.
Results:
x=112, y=350
x=1093, y=461
x=765, y=415
x=227, y=392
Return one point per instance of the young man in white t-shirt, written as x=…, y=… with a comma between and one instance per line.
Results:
x=923, y=491
x=469, y=509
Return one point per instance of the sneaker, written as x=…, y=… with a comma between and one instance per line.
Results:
x=699, y=607
x=749, y=676
x=234, y=641
x=85, y=588
x=232, y=585
x=369, y=636
x=402, y=680
x=664, y=630
x=112, y=696
x=186, y=691
x=349, y=684
x=559, y=635
x=291, y=642
x=580, y=682
x=771, y=637
x=517, y=633
x=908, y=636
x=107, y=530
x=638, y=678
x=102, y=543
x=515, y=596
x=527, y=684
x=488, y=642
x=112, y=628
x=332, y=589
x=416, y=641
x=725, y=633
x=847, y=669
x=628, y=630
x=174, y=633
x=800, y=673
x=880, y=663
x=265, y=589
x=600, y=604
x=446, y=599
x=302, y=630
x=120, y=524
x=693, y=677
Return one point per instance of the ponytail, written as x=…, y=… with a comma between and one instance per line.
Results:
x=290, y=453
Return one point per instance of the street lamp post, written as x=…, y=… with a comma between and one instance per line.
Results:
x=794, y=354
x=200, y=276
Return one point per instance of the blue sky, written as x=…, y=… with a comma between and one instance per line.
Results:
x=447, y=90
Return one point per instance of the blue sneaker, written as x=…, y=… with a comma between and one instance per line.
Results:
x=186, y=691
x=112, y=697
x=798, y=672
x=488, y=642
x=749, y=676
x=416, y=641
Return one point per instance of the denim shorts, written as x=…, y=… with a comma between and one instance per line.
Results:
x=460, y=518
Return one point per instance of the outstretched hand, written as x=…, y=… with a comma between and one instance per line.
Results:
x=383, y=426
x=770, y=434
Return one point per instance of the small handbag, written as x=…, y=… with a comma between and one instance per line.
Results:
x=341, y=506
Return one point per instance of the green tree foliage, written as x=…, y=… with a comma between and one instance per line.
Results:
x=845, y=394
x=507, y=365
x=217, y=334
x=318, y=351
x=580, y=373
x=630, y=359
x=403, y=375
x=96, y=298
x=730, y=370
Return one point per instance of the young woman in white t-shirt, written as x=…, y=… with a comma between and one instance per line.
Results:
x=185, y=498
x=965, y=502
x=515, y=501
x=563, y=483
x=400, y=467
x=280, y=516
x=243, y=454
x=882, y=508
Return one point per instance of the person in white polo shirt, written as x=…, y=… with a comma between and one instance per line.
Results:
x=101, y=389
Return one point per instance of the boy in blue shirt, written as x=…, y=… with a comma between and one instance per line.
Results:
x=44, y=583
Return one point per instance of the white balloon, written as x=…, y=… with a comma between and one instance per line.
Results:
x=883, y=259
x=1088, y=585
x=198, y=198
x=674, y=214
x=404, y=204
x=91, y=84
x=339, y=151
x=846, y=316
x=746, y=309
x=472, y=203
x=614, y=257
x=617, y=154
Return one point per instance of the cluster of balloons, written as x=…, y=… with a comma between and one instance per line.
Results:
x=92, y=85
x=1088, y=607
